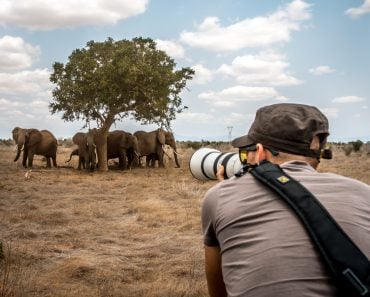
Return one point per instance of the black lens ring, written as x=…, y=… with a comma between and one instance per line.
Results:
x=224, y=163
x=216, y=161
x=202, y=165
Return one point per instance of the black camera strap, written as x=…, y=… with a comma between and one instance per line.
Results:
x=349, y=267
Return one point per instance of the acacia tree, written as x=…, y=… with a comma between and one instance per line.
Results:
x=108, y=81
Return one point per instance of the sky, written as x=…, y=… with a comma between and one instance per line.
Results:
x=246, y=54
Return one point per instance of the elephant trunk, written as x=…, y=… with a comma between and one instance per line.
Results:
x=19, y=149
x=91, y=157
x=175, y=156
x=176, y=160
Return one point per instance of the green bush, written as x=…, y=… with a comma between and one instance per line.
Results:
x=357, y=145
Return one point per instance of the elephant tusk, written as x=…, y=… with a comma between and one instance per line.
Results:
x=17, y=147
x=177, y=153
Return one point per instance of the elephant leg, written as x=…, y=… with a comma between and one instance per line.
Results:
x=24, y=159
x=133, y=161
x=48, y=162
x=80, y=162
x=147, y=160
x=139, y=161
x=130, y=160
x=152, y=158
x=54, y=158
x=30, y=159
x=120, y=162
x=124, y=161
x=160, y=159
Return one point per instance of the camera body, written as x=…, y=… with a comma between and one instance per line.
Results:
x=204, y=162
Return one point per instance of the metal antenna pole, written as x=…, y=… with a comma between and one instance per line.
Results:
x=230, y=129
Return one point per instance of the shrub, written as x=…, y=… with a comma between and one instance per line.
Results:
x=356, y=145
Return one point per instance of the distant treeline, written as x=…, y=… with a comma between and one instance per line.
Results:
x=352, y=145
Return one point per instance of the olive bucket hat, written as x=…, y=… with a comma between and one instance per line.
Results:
x=287, y=127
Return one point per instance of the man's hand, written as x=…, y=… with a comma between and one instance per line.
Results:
x=220, y=173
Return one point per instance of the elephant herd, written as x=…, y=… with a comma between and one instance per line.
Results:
x=128, y=148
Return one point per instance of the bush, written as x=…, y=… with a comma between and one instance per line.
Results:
x=7, y=142
x=356, y=145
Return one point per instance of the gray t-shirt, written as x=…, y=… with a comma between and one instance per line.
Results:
x=265, y=249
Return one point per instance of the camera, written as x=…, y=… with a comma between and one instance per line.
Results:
x=204, y=162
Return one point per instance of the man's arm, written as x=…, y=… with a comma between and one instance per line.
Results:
x=216, y=286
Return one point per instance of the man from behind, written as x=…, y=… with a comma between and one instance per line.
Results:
x=255, y=245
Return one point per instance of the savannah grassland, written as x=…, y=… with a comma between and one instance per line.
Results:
x=137, y=232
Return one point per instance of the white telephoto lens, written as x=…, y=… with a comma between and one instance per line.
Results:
x=204, y=163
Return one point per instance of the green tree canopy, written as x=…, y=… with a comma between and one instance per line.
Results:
x=107, y=81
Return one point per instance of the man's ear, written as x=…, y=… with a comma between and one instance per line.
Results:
x=260, y=153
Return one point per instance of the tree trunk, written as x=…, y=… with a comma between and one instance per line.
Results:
x=101, y=149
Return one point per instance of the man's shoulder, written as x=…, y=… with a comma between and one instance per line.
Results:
x=234, y=185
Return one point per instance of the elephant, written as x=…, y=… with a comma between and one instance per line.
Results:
x=152, y=143
x=119, y=145
x=86, y=150
x=35, y=142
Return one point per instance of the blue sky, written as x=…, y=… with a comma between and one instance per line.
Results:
x=246, y=54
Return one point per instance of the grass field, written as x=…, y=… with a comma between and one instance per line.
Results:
x=66, y=232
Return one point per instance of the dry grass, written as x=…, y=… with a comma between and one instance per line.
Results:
x=118, y=233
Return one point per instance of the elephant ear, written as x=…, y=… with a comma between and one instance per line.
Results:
x=33, y=136
x=169, y=137
x=15, y=133
x=161, y=136
x=124, y=140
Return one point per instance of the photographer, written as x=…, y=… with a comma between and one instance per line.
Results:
x=254, y=243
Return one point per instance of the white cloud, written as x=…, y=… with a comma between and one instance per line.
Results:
x=14, y=110
x=330, y=112
x=173, y=49
x=256, y=32
x=15, y=54
x=357, y=11
x=26, y=113
x=52, y=14
x=230, y=96
x=348, y=99
x=33, y=83
x=202, y=75
x=195, y=117
x=267, y=68
x=320, y=70
x=7, y=104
